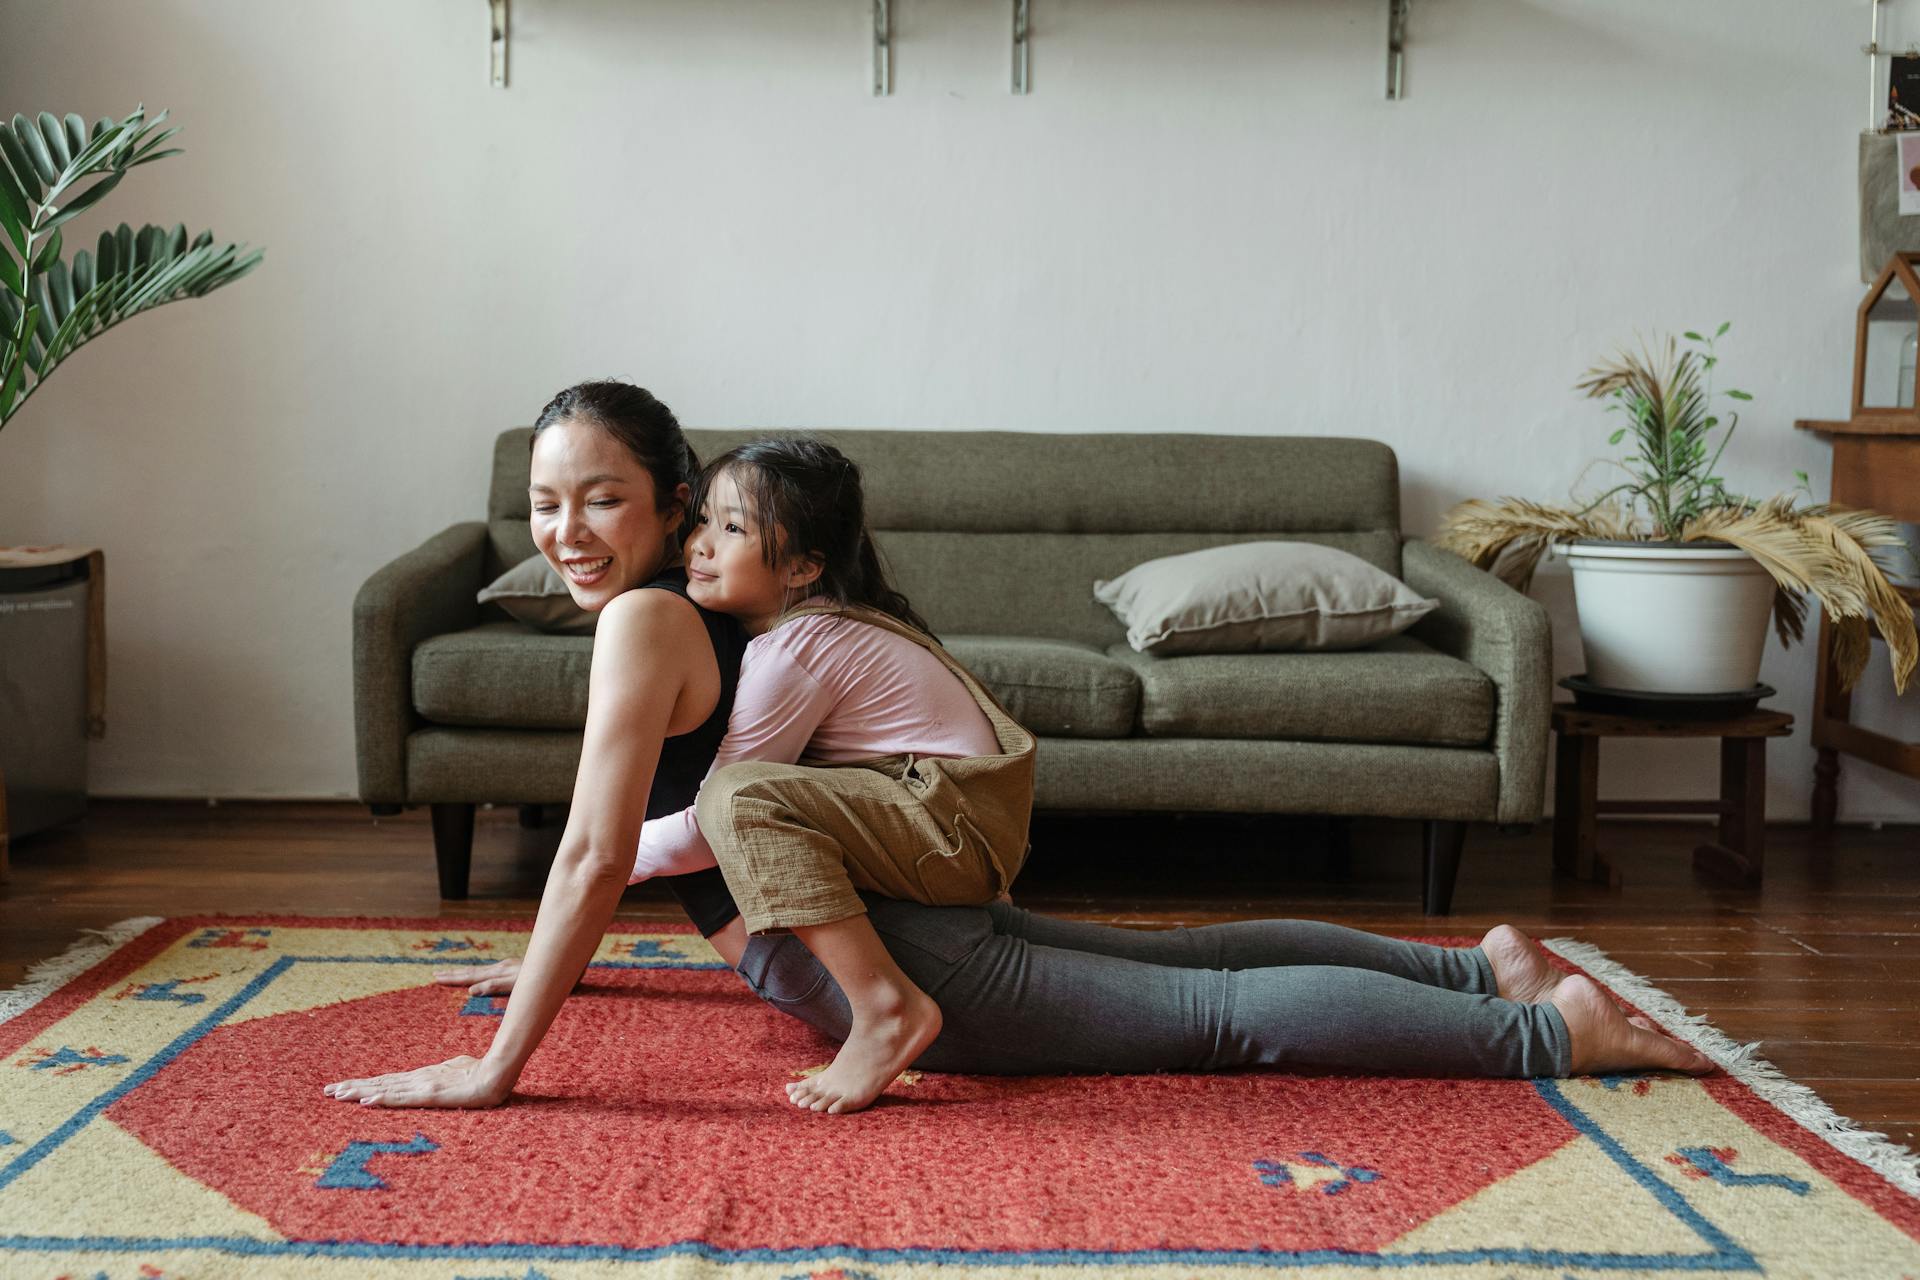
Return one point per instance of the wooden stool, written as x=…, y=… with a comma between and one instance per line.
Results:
x=1739, y=853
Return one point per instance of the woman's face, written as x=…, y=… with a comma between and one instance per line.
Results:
x=727, y=568
x=595, y=517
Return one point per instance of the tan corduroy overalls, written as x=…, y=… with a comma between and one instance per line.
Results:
x=796, y=840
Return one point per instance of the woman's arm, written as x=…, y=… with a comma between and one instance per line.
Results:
x=776, y=708
x=644, y=655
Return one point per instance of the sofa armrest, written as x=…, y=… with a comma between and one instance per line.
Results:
x=426, y=592
x=1483, y=621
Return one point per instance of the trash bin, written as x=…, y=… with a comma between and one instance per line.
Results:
x=43, y=694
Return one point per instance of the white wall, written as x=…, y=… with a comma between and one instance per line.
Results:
x=1205, y=217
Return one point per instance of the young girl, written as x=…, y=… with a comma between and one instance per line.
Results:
x=859, y=755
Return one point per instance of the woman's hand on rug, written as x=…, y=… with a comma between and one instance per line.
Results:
x=494, y=979
x=457, y=1082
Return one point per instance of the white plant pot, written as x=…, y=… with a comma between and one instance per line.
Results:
x=1664, y=618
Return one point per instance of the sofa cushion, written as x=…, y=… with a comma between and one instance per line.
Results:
x=1056, y=688
x=505, y=675
x=1398, y=691
x=533, y=593
x=1258, y=597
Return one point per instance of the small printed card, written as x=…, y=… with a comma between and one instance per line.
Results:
x=1903, y=92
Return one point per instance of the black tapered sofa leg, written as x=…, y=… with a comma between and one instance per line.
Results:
x=1444, y=842
x=453, y=847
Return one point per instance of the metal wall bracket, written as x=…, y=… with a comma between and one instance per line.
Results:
x=882, y=49
x=497, y=41
x=1397, y=49
x=1022, y=67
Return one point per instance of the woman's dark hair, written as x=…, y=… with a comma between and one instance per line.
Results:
x=804, y=496
x=637, y=420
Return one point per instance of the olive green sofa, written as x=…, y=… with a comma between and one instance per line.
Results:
x=998, y=538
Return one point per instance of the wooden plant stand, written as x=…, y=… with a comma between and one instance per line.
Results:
x=1876, y=464
x=1737, y=856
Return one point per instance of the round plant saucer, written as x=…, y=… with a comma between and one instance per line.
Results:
x=1589, y=696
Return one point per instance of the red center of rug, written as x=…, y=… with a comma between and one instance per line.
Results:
x=653, y=1114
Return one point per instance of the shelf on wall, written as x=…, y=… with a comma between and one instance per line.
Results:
x=1022, y=82
x=499, y=33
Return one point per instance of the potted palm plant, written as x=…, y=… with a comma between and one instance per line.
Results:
x=1674, y=574
x=52, y=640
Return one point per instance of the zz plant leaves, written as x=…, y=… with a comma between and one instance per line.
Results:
x=53, y=169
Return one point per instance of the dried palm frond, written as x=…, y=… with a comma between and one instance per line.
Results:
x=1640, y=374
x=1863, y=574
x=1510, y=536
x=1768, y=535
x=1827, y=552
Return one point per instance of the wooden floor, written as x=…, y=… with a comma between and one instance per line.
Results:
x=1823, y=964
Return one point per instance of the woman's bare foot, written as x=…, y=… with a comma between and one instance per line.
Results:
x=879, y=1049
x=494, y=979
x=1605, y=1040
x=1520, y=969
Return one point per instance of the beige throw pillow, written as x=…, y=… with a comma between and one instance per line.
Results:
x=532, y=592
x=1253, y=596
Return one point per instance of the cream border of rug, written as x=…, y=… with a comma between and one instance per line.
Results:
x=1743, y=1062
x=1885, y=1157
x=48, y=976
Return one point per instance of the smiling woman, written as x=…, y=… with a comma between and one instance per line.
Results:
x=610, y=473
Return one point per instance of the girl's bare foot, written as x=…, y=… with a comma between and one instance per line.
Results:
x=879, y=1049
x=1605, y=1040
x=494, y=979
x=1520, y=970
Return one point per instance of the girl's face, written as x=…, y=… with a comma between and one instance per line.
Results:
x=727, y=569
x=595, y=517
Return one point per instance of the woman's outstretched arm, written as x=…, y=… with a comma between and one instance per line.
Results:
x=644, y=681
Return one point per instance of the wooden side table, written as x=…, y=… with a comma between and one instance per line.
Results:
x=1876, y=464
x=1737, y=855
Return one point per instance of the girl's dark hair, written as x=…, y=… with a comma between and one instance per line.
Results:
x=637, y=420
x=804, y=496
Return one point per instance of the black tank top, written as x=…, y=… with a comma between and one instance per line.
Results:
x=685, y=759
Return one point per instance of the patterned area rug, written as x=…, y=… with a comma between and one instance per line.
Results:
x=161, y=1115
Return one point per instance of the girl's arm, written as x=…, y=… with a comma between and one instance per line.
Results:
x=776, y=709
x=644, y=655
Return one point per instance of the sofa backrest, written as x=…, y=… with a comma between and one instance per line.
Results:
x=1004, y=533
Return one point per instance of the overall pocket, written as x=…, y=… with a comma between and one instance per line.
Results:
x=957, y=872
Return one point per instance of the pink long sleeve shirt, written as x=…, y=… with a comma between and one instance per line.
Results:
x=832, y=689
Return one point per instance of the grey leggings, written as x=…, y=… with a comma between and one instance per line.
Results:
x=1024, y=994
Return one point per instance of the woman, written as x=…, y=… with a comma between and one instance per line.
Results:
x=1020, y=993
x=611, y=476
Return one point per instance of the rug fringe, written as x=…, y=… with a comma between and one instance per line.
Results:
x=48, y=976
x=1743, y=1062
